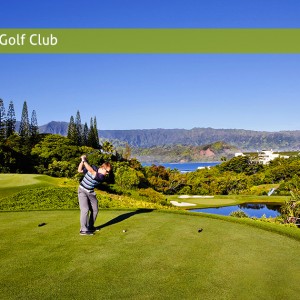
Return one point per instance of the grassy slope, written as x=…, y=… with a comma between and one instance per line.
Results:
x=41, y=192
x=13, y=183
x=161, y=256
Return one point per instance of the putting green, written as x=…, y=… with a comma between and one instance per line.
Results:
x=12, y=180
x=208, y=201
x=13, y=183
x=221, y=200
x=160, y=256
x=16, y=180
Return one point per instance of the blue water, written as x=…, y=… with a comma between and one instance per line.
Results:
x=251, y=209
x=185, y=167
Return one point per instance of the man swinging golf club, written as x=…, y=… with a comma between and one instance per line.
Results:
x=88, y=201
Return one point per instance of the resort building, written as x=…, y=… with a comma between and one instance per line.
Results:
x=265, y=156
x=239, y=154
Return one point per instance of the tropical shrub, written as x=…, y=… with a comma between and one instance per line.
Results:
x=126, y=177
x=291, y=208
x=158, y=184
x=151, y=195
x=240, y=164
x=61, y=169
x=239, y=214
x=186, y=190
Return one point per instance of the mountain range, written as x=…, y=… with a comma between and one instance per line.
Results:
x=244, y=140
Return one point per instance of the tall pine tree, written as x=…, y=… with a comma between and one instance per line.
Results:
x=24, y=130
x=10, y=120
x=72, y=134
x=93, y=138
x=2, y=121
x=34, y=129
x=97, y=143
x=85, y=134
x=78, y=127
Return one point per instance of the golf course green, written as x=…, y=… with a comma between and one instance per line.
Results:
x=138, y=253
x=144, y=254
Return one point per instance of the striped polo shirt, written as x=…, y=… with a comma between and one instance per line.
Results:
x=89, y=182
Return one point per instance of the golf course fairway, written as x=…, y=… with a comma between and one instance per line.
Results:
x=144, y=254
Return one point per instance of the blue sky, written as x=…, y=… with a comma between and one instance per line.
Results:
x=257, y=92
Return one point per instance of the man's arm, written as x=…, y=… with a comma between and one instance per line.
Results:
x=81, y=165
x=84, y=164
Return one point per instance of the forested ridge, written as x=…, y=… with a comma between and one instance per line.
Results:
x=245, y=140
x=185, y=153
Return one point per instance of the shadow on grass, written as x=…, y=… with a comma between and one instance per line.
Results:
x=123, y=217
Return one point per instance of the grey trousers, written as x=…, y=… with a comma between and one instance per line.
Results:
x=87, y=203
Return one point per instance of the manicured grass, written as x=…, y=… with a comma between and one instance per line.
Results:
x=160, y=256
x=15, y=180
x=13, y=183
x=218, y=200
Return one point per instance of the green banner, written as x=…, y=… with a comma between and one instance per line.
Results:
x=155, y=41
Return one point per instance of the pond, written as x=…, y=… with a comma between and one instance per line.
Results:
x=251, y=209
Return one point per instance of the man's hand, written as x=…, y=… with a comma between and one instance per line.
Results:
x=81, y=165
x=85, y=164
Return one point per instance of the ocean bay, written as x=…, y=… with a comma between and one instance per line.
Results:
x=187, y=166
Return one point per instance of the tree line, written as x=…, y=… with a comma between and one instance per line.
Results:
x=8, y=122
x=17, y=147
x=82, y=135
x=79, y=134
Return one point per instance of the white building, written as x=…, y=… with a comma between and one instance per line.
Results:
x=265, y=156
x=239, y=154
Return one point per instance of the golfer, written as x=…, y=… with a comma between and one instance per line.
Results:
x=87, y=196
